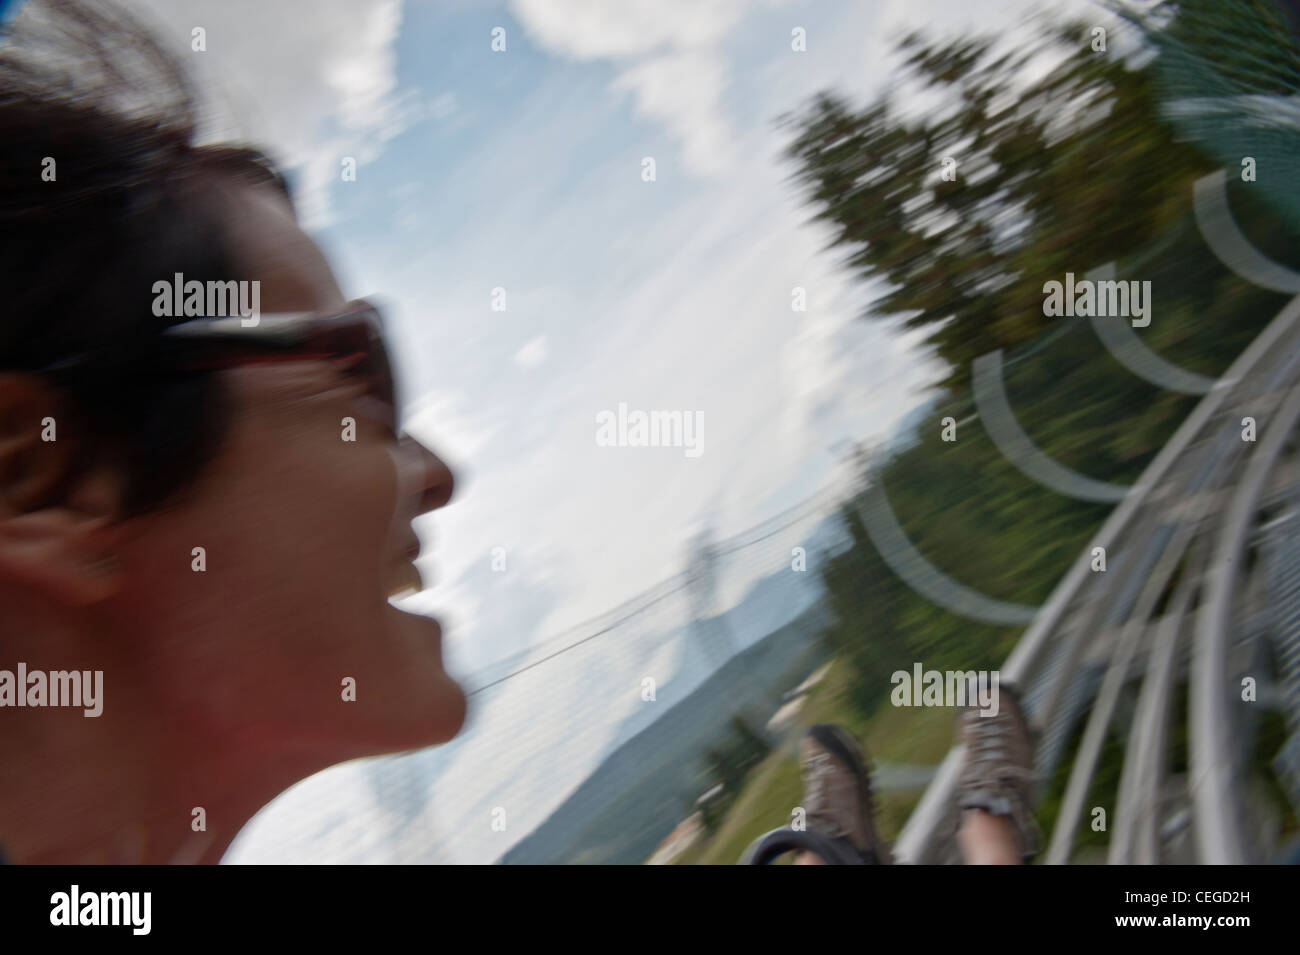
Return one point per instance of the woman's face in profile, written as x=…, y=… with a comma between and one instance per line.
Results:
x=287, y=640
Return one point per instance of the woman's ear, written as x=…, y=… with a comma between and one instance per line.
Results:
x=56, y=525
x=33, y=461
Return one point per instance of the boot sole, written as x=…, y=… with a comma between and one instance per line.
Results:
x=828, y=736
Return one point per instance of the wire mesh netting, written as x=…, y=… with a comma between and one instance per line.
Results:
x=1228, y=78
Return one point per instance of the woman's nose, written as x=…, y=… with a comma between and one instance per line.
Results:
x=438, y=483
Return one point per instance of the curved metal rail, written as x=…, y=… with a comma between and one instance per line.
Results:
x=1135, y=838
x=1152, y=527
x=1218, y=814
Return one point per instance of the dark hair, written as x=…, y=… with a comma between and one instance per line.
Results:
x=87, y=87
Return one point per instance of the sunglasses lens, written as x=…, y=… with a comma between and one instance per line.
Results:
x=378, y=366
x=383, y=371
x=354, y=338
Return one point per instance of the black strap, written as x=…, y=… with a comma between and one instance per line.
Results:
x=780, y=841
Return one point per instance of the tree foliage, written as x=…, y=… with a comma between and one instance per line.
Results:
x=1052, y=175
x=1058, y=170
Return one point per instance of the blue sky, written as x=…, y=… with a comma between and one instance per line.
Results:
x=521, y=170
x=673, y=294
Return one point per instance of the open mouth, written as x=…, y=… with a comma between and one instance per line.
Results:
x=403, y=579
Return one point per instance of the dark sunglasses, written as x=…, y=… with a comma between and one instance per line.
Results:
x=353, y=337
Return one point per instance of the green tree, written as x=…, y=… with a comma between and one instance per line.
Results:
x=1054, y=174
x=1049, y=176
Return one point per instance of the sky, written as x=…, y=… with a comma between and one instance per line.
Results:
x=488, y=177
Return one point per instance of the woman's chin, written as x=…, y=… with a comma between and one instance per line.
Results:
x=432, y=704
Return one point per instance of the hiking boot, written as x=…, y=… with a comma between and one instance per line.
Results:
x=997, y=774
x=837, y=792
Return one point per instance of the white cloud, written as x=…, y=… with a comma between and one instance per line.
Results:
x=532, y=354
x=677, y=74
x=443, y=105
x=440, y=421
x=683, y=92
x=593, y=29
x=310, y=80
